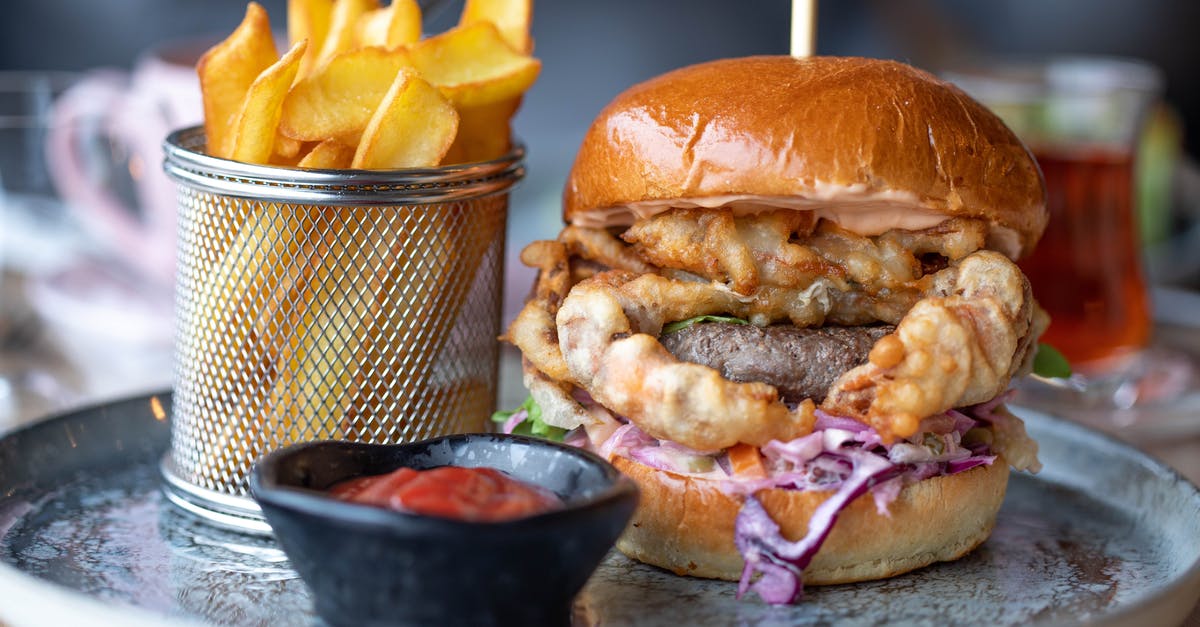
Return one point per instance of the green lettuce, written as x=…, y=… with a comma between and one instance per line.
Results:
x=532, y=425
x=672, y=327
x=1050, y=363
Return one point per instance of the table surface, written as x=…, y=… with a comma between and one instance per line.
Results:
x=36, y=380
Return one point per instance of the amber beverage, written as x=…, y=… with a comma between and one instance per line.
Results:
x=1086, y=271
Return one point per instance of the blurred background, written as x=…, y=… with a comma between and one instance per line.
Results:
x=72, y=331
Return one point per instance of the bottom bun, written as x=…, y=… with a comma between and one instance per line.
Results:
x=686, y=525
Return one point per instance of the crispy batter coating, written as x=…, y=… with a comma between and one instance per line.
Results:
x=554, y=397
x=603, y=247
x=533, y=331
x=788, y=249
x=961, y=346
x=608, y=338
x=966, y=322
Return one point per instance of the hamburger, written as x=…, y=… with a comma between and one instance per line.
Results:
x=785, y=303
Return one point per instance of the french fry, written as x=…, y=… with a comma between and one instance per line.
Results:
x=273, y=257
x=342, y=23
x=428, y=278
x=258, y=120
x=286, y=149
x=483, y=132
x=338, y=100
x=512, y=17
x=412, y=128
x=405, y=27
x=316, y=376
x=397, y=24
x=371, y=28
x=328, y=155
x=319, y=346
x=473, y=66
x=308, y=19
x=226, y=72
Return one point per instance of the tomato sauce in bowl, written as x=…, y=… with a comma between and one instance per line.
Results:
x=474, y=494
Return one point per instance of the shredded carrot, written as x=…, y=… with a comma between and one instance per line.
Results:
x=746, y=461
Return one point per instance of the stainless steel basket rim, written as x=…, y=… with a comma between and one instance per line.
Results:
x=238, y=513
x=186, y=162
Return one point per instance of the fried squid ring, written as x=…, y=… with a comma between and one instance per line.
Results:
x=609, y=341
x=959, y=346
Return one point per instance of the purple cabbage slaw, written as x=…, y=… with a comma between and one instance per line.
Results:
x=778, y=562
x=841, y=455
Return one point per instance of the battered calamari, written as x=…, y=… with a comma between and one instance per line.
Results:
x=966, y=321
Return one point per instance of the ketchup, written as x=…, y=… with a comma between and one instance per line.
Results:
x=472, y=494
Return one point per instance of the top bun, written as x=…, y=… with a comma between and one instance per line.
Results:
x=845, y=136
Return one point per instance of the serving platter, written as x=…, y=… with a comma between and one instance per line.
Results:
x=1102, y=534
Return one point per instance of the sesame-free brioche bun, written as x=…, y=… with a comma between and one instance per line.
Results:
x=850, y=136
x=686, y=525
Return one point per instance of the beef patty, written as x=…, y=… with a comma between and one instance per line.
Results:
x=800, y=363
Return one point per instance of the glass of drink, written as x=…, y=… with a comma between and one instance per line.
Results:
x=1082, y=118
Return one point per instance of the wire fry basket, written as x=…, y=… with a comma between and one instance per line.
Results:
x=357, y=305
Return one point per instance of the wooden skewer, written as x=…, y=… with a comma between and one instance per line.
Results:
x=804, y=28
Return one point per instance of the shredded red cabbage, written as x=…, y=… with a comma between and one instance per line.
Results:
x=577, y=437
x=829, y=421
x=962, y=465
x=986, y=411
x=842, y=455
x=517, y=418
x=780, y=562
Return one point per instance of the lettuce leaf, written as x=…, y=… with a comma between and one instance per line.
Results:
x=531, y=424
x=1050, y=363
x=672, y=327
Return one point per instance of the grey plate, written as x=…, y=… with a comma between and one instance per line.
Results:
x=1102, y=534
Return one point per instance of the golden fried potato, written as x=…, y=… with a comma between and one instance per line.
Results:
x=226, y=72
x=342, y=23
x=412, y=128
x=405, y=27
x=258, y=120
x=328, y=155
x=309, y=19
x=512, y=17
x=397, y=24
x=337, y=101
x=484, y=132
x=473, y=66
x=287, y=150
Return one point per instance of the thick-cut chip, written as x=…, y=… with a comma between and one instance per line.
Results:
x=285, y=146
x=512, y=17
x=371, y=29
x=328, y=155
x=397, y=24
x=309, y=19
x=226, y=73
x=483, y=132
x=405, y=27
x=337, y=101
x=413, y=127
x=473, y=65
x=342, y=23
x=258, y=121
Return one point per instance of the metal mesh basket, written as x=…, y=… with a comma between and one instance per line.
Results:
x=355, y=305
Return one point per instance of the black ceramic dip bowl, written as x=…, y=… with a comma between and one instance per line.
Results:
x=372, y=566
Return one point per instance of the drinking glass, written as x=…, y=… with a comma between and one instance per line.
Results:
x=76, y=323
x=1082, y=117
x=34, y=236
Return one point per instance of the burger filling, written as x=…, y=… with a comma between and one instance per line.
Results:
x=776, y=350
x=799, y=362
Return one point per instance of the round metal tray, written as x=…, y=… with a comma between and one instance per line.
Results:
x=1103, y=534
